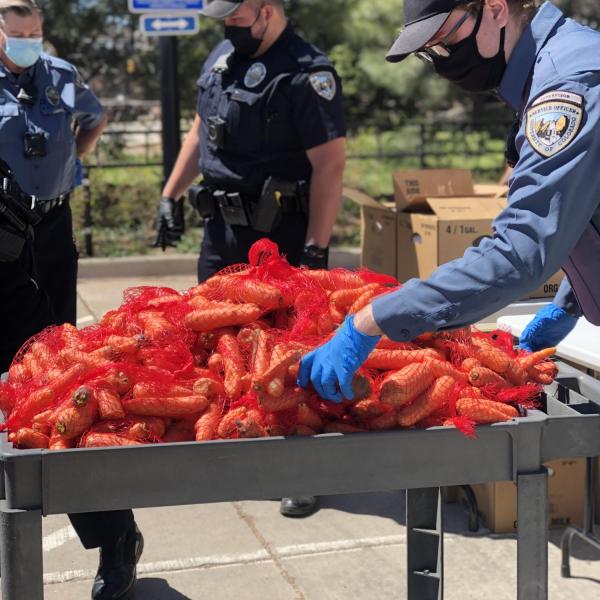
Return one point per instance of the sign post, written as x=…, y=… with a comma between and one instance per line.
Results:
x=167, y=19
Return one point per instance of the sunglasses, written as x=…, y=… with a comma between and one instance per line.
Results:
x=441, y=49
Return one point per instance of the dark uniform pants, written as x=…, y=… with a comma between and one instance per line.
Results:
x=37, y=291
x=225, y=245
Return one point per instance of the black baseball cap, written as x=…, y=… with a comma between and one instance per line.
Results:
x=422, y=20
x=219, y=9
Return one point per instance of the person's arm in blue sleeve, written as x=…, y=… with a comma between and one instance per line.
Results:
x=553, y=323
x=90, y=117
x=551, y=202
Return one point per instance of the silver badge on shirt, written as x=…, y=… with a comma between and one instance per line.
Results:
x=255, y=76
x=52, y=95
x=324, y=84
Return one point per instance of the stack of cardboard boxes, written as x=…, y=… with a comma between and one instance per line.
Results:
x=437, y=214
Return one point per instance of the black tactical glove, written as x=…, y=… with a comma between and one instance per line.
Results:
x=170, y=223
x=315, y=257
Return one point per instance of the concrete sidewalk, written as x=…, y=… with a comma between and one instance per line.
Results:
x=354, y=547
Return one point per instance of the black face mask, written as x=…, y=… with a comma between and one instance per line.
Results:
x=244, y=43
x=468, y=69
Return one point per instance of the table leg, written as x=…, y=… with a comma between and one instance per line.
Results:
x=21, y=554
x=532, y=536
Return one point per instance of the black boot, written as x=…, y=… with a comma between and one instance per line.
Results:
x=117, y=574
x=298, y=506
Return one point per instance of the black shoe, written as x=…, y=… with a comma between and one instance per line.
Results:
x=117, y=573
x=299, y=506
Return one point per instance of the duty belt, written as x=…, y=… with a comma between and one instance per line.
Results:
x=43, y=207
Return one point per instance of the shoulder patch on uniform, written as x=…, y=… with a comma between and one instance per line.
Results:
x=553, y=121
x=324, y=84
x=255, y=75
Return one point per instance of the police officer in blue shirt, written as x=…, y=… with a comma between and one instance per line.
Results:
x=545, y=67
x=41, y=98
x=269, y=141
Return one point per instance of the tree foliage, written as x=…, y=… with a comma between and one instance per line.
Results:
x=103, y=40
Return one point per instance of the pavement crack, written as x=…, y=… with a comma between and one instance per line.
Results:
x=273, y=554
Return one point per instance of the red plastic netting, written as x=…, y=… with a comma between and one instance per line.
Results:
x=220, y=361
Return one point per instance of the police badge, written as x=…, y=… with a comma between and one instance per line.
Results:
x=52, y=95
x=553, y=122
x=324, y=84
x=255, y=75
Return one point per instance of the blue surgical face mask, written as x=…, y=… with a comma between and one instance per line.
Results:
x=24, y=52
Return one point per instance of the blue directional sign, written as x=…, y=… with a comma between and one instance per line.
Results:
x=164, y=6
x=169, y=24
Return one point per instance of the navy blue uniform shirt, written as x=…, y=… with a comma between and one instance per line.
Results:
x=57, y=98
x=553, y=216
x=273, y=109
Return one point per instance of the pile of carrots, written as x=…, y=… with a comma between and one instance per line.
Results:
x=220, y=361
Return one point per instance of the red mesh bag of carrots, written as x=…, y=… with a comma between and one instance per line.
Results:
x=220, y=361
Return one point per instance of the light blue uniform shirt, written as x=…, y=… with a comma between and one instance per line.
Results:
x=553, y=80
x=58, y=98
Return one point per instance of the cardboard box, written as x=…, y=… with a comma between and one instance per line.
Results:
x=436, y=216
x=497, y=502
x=378, y=232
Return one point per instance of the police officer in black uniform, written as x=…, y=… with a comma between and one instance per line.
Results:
x=269, y=142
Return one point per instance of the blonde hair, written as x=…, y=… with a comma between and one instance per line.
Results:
x=21, y=8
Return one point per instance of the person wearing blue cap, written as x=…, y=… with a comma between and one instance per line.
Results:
x=545, y=67
x=269, y=141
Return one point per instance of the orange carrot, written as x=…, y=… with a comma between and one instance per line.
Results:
x=207, y=319
x=72, y=356
x=229, y=423
x=287, y=401
x=272, y=381
x=362, y=301
x=216, y=365
x=151, y=390
x=208, y=386
x=77, y=414
x=252, y=426
x=485, y=411
x=482, y=376
x=441, y=368
x=388, y=420
x=369, y=408
x=148, y=429
x=391, y=360
x=401, y=387
x=335, y=280
x=233, y=364
x=469, y=391
x=529, y=360
x=29, y=438
x=470, y=363
x=173, y=407
x=19, y=373
x=101, y=440
x=433, y=399
x=207, y=425
x=109, y=404
x=155, y=325
x=158, y=302
x=60, y=442
x=116, y=381
x=489, y=355
x=345, y=298
x=307, y=416
x=125, y=345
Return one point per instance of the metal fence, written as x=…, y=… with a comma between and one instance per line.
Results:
x=421, y=144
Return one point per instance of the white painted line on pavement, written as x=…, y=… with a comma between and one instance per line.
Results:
x=85, y=320
x=229, y=560
x=58, y=538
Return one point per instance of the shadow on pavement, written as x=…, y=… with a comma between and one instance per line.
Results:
x=152, y=588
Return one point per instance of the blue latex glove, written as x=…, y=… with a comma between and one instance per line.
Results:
x=548, y=328
x=331, y=367
x=78, y=174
